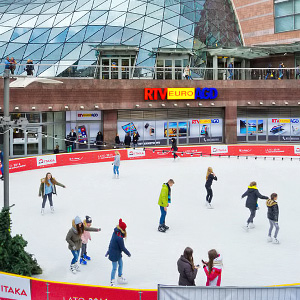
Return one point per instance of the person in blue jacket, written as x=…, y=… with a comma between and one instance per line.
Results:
x=114, y=252
x=1, y=158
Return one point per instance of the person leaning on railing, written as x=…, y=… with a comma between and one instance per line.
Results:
x=29, y=67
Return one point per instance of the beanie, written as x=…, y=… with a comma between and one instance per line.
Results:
x=77, y=220
x=122, y=225
x=88, y=219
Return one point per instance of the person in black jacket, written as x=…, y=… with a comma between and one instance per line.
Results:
x=99, y=139
x=252, y=195
x=210, y=176
x=127, y=140
x=135, y=139
x=117, y=140
x=72, y=138
x=273, y=212
x=174, y=147
x=186, y=268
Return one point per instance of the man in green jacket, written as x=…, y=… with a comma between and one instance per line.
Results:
x=163, y=202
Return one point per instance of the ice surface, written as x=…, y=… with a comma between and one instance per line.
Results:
x=248, y=259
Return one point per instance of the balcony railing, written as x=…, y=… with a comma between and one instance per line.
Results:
x=157, y=73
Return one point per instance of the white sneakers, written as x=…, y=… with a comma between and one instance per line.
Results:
x=122, y=280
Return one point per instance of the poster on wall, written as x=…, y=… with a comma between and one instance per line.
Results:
x=208, y=130
x=288, y=129
x=131, y=127
x=255, y=129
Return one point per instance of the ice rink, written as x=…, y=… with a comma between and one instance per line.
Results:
x=248, y=259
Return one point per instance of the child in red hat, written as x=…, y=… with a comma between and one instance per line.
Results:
x=114, y=252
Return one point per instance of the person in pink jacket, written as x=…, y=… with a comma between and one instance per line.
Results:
x=85, y=237
x=213, y=268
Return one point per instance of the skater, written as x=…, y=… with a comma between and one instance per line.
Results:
x=273, y=212
x=114, y=252
x=85, y=237
x=210, y=176
x=186, y=268
x=163, y=202
x=74, y=240
x=116, y=164
x=174, y=148
x=1, y=168
x=213, y=268
x=47, y=188
x=252, y=195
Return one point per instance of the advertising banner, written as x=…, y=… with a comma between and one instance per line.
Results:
x=219, y=149
x=46, y=160
x=14, y=287
x=136, y=153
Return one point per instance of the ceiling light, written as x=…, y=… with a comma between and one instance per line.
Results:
x=273, y=103
x=137, y=105
x=187, y=104
x=150, y=104
x=97, y=106
x=175, y=104
x=286, y=103
x=81, y=107
x=163, y=105
x=212, y=104
x=66, y=106
x=200, y=104
x=249, y=103
x=33, y=107
x=50, y=107
x=16, y=107
x=261, y=103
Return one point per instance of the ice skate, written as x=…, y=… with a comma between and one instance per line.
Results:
x=52, y=209
x=209, y=206
x=122, y=280
x=251, y=226
x=246, y=227
x=86, y=257
x=165, y=226
x=114, y=176
x=275, y=241
x=112, y=283
x=42, y=211
x=72, y=269
x=76, y=267
x=82, y=261
x=161, y=228
x=269, y=240
x=117, y=177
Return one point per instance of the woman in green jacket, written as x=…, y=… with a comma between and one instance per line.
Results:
x=47, y=188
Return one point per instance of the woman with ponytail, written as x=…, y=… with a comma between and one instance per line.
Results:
x=210, y=176
x=186, y=268
x=213, y=268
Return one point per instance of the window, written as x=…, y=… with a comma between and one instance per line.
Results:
x=287, y=15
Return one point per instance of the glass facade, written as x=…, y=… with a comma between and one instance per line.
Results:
x=287, y=15
x=66, y=32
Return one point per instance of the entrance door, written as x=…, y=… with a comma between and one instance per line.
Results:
x=116, y=68
x=34, y=141
x=178, y=130
x=256, y=130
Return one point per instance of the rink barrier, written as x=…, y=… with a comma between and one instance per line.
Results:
x=15, y=287
x=75, y=158
x=233, y=293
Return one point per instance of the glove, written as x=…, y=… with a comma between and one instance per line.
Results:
x=129, y=255
x=106, y=254
x=99, y=229
x=74, y=247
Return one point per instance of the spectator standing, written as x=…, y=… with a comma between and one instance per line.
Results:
x=29, y=67
x=127, y=140
x=72, y=138
x=230, y=71
x=280, y=70
x=187, y=72
x=117, y=140
x=1, y=159
x=99, y=139
x=213, y=268
x=135, y=139
x=297, y=72
x=186, y=268
x=13, y=65
x=7, y=63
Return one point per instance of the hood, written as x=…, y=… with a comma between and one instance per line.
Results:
x=119, y=232
x=183, y=259
x=218, y=262
x=271, y=202
x=252, y=189
x=74, y=226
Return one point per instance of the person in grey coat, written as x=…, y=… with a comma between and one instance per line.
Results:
x=73, y=238
x=116, y=164
x=252, y=196
x=186, y=268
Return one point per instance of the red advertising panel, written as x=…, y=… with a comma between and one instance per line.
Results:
x=58, y=291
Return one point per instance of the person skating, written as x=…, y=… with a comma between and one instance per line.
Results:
x=116, y=164
x=186, y=268
x=85, y=237
x=163, y=202
x=252, y=196
x=47, y=188
x=213, y=268
x=73, y=239
x=114, y=252
x=210, y=176
x=174, y=148
x=273, y=213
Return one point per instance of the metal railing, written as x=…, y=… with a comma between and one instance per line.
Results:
x=157, y=73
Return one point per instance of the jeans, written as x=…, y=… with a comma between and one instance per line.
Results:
x=45, y=199
x=252, y=215
x=272, y=224
x=114, y=268
x=75, y=256
x=163, y=215
x=209, y=194
x=116, y=170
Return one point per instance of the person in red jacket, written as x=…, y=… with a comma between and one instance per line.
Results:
x=213, y=268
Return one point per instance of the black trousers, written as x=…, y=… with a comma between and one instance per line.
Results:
x=252, y=215
x=174, y=154
x=209, y=194
x=83, y=249
x=45, y=199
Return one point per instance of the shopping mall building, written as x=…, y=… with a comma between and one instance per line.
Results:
x=122, y=67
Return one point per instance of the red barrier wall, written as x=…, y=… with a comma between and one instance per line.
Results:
x=66, y=159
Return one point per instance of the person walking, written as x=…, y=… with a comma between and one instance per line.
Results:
x=114, y=252
x=47, y=188
x=273, y=213
x=174, y=148
x=116, y=164
x=252, y=196
x=210, y=176
x=127, y=140
x=213, y=268
x=163, y=202
x=74, y=241
x=186, y=268
x=1, y=168
x=85, y=237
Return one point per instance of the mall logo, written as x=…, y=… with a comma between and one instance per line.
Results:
x=219, y=149
x=136, y=153
x=297, y=149
x=46, y=160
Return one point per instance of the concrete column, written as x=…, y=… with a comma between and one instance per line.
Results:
x=215, y=66
x=243, y=73
x=230, y=123
x=110, y=118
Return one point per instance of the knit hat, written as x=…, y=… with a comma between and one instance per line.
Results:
x=77, y=220
x=88, y=219
x=122, y=225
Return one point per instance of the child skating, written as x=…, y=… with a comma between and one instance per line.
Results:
x=273, y=213
x=210, y=176
x=85, y=237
